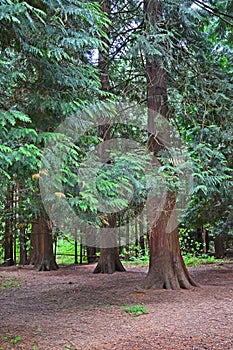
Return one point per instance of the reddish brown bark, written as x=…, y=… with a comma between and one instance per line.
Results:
x=109, y=261
x=42, y=246
x=166, y=268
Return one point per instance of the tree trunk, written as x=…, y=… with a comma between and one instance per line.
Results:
x=199, y=239
x=76, y=251
x=219, y=247
x=21, y=226
x=136, y=237
x=127, y=242
x=142, y=240
x=109, y=261
x=166, y=267
x=22, y=244
x=206, y=240
x=8, y=236
x=91, y=255
x=42, y=246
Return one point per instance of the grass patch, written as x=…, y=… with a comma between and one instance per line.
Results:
x=190, y=260
x=14, y=341
x=136, y=310
x=195, y=261
x=9, y=283
x=141, y=261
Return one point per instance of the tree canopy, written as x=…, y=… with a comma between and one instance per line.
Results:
x=55, y=56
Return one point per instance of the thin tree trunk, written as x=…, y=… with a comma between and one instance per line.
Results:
x=22, y=244
x=142, y=240
x=22, y=228
x=81, y=251
x=199, y=238
x=8, y=236
x=127, y=241
x=136, y=236
x=75, y=251
x=166, y=267
x=206, y=240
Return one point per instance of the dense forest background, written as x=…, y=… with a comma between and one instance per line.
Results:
x=111, y=60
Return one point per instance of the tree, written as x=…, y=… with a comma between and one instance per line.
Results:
x=109, y=260
x=42, y=255
x=46, y=72
x=166, y=268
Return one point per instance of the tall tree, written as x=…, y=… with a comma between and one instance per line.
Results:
x=46, y=73
x=166, y=268
x=109, y=260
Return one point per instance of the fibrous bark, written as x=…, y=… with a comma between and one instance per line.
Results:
x=166, y=267
x=42, y=256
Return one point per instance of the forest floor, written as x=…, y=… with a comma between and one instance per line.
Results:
x=74, y=309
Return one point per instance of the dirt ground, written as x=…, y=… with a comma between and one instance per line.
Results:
x=73, y=309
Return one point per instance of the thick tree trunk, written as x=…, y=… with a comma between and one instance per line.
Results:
x=91, y=255
x=42, y=256
x=166, y=268
x=109, y=261
x=219, y=247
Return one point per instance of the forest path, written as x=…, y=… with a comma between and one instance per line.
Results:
x=73, y=309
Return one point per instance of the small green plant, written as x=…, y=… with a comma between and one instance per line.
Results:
x=195, y=261
x=10, y=283
x=140, y=261
x=16, y=339
x=136, y=310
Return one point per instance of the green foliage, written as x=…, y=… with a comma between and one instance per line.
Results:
x=48, y=72
x=136, y=310
x=16, y=339
x=45, y=73
x=188, y=243
x=195, y=261
x=9, y=283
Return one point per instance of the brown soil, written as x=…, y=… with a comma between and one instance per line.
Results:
x=74, y=309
